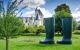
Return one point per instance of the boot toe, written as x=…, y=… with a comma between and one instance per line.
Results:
x=46, y=42
x=64, y=42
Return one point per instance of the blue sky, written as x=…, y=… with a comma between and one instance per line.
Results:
x=48, y=6
x=52, y=4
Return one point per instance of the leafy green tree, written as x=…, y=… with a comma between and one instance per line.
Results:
x=62, y=10
x=63, y=7
x=10, y=24
x=58, y=24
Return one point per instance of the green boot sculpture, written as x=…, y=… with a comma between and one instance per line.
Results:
x=49, y=26
x=67, y=31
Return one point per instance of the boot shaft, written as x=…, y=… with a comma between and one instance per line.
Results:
x=67, y=28
x=49, y=26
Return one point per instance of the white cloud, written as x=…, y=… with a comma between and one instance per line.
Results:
x=76, y=14
x=33, y=3
x=28, y=14
x=77, y=9
x=45, y=12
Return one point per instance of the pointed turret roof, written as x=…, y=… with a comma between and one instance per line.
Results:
x=38, y=12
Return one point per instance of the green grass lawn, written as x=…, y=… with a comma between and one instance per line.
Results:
x=32, y=43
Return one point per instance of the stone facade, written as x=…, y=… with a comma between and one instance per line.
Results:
x=37, y=19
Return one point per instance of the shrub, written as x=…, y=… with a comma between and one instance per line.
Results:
x=34, y=29
x=40, y=29
x=30, y=29
x=76, y=32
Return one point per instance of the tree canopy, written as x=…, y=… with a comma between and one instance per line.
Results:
x=61, y=10
x=10, y=24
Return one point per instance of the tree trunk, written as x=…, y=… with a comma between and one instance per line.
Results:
x=7, y=43
x=58, y=33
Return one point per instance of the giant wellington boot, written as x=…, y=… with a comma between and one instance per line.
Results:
x=67, y=31
x=49, y=26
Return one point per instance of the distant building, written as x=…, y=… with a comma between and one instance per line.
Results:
x=36, y=20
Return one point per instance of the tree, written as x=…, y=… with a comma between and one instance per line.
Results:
x=10, y=24
x=58, y=24
x=63, y=7
x=78, y=26
x=61, y=11
x=75, y=24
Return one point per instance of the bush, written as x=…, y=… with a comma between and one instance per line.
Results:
x=76, y=32
x=34, y=29
x=78, y=26
x=75, y=25
x=40, y=29
x=30, y=29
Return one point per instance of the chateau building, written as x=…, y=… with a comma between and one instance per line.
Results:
x=37, y=19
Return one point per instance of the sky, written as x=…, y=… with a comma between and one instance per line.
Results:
x=47, y=7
